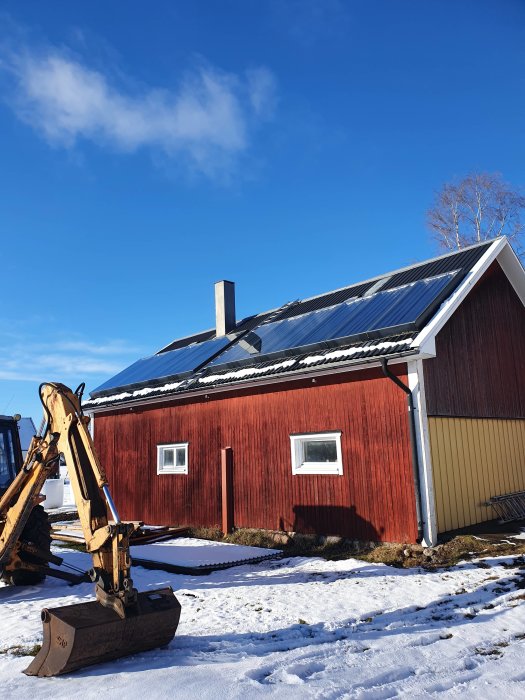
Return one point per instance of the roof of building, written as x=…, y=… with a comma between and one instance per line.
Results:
x=386, y=316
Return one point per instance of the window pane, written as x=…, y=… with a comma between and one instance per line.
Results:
x=7, y=459
x=5, y=472
x=320, y=451
x=169, y=458
x=180, y=457
x=10, y=449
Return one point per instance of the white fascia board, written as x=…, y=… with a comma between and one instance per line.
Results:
x=429, y=349
x=512, y=267
x=425, y=341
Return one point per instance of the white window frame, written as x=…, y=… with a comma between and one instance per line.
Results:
x=161, y=469
x=299, y=466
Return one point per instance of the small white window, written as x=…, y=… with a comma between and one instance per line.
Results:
x=172, y=459
x=317, y=453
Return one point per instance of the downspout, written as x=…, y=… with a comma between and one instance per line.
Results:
x=413, y=443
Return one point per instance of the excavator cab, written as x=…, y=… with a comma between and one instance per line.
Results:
x=34, y=541
x=10, y=452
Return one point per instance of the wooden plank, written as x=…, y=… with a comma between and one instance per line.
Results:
x=479, y=370
x=472, y=460
x=439, y=484
x=227, y=489
x=373, y=499
x=143, y=536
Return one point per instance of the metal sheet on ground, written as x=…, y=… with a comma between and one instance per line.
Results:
x=186, y=552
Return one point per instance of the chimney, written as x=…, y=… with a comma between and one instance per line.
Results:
x=224, y=307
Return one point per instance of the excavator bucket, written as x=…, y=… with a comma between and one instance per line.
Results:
x=88, y=633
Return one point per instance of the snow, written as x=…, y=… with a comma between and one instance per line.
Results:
x=301, y=628
x=348, y=352
x=247, y=372
x=133, y=394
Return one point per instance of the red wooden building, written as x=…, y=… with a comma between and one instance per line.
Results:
x=390, y=410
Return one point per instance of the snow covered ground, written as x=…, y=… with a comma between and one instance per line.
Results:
x=301, y=628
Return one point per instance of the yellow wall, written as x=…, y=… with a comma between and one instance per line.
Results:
x=472, y=460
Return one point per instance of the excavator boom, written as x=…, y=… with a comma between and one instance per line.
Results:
x=121, y=621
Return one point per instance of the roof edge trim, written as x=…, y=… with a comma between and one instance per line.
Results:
x=350, y=366
x=405, y=268
x=425, y=340
x=513, y=268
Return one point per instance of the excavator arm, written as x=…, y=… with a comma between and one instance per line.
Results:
x=155, y=614
x=107, y=541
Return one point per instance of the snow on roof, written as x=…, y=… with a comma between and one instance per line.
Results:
x=350, y=352
x=367, y=350
x=246, y=372
x=132, y=394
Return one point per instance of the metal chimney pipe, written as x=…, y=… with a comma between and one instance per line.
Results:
x=224, y=307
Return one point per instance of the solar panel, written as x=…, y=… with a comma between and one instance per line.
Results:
x=385, y=312
x=166, y=364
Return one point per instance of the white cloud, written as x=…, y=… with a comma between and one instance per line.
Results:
x=262, y=91
x=29, y=359
x=208, y=120
x=113, y=347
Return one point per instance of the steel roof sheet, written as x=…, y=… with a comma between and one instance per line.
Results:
x=383, y=307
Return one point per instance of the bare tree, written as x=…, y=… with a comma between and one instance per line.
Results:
x=477, y=208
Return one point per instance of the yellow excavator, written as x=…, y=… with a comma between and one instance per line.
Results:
x=121, y=621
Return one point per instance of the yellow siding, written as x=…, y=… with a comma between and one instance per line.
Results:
x=472, y=460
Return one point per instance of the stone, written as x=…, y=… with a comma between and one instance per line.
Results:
x=281, y=538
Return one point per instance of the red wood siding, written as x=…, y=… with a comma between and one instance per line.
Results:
x=479, y=370
x=373, y=500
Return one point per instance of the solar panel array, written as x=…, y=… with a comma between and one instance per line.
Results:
x=403, y=302
x=388, y=312
x=167, y=364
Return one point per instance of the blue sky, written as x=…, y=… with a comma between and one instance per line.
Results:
x=148, y=150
